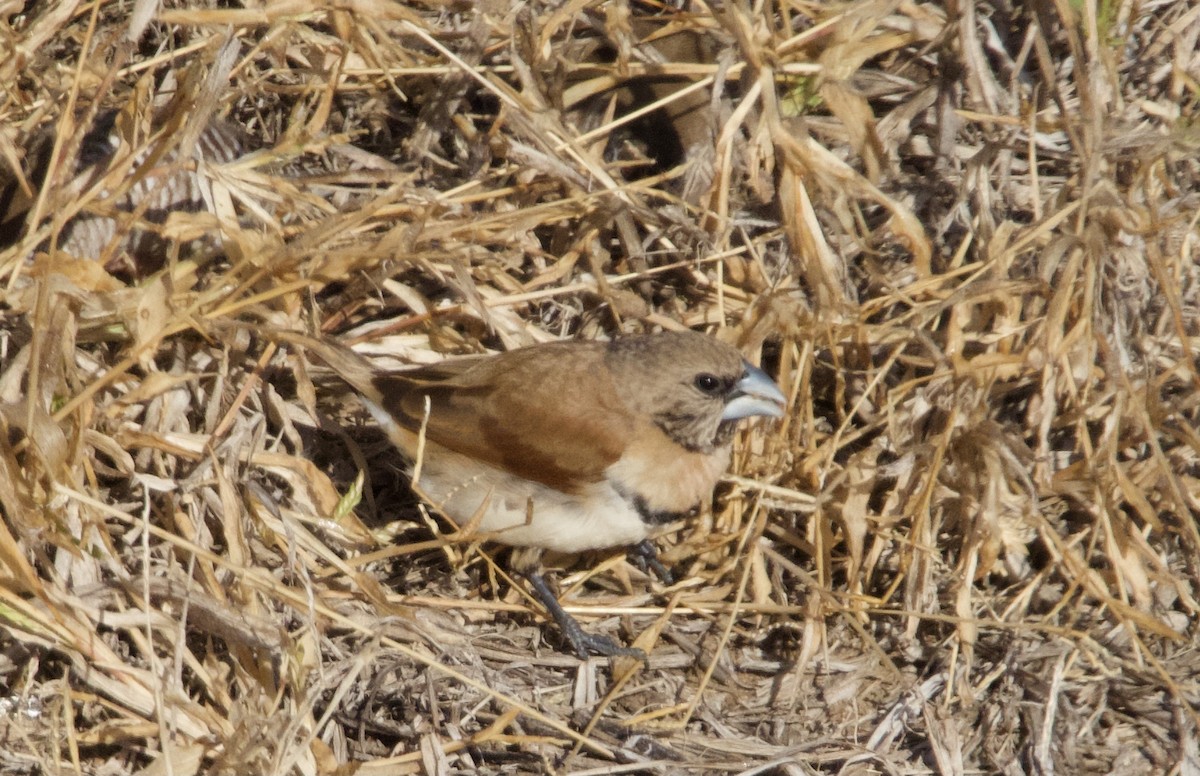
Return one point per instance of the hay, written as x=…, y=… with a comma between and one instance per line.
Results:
x=966, y=246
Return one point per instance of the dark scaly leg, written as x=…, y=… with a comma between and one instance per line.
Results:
x=584, y=643
x=644, y=555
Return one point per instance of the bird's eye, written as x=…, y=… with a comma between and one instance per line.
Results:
x=709, y=384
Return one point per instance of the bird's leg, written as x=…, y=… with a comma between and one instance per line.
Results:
x=584, y=643
x=644, y=555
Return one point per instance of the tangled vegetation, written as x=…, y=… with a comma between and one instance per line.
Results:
x=962, y=238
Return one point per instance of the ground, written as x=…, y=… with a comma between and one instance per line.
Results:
x=962, y=238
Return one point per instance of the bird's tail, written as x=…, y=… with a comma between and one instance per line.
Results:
x=352, y=368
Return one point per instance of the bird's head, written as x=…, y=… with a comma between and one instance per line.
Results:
x=695, y=388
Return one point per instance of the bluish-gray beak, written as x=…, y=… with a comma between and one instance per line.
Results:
x=754, y=394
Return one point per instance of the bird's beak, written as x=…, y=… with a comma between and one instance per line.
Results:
x=755, y=394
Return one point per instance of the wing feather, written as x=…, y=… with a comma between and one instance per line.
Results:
x=550, y=413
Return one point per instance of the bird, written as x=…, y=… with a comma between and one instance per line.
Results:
x=566, y=446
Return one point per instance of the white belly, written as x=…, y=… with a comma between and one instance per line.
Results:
x=515, y=511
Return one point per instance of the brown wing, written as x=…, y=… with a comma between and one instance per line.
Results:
x=549, y=413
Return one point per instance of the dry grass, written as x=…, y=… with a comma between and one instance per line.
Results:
x=966, y=245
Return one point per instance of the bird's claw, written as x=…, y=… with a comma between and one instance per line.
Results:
x=644, y=556
x=585, y=644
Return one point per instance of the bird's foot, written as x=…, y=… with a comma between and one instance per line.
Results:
x=584, y=643
x=644, y=555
